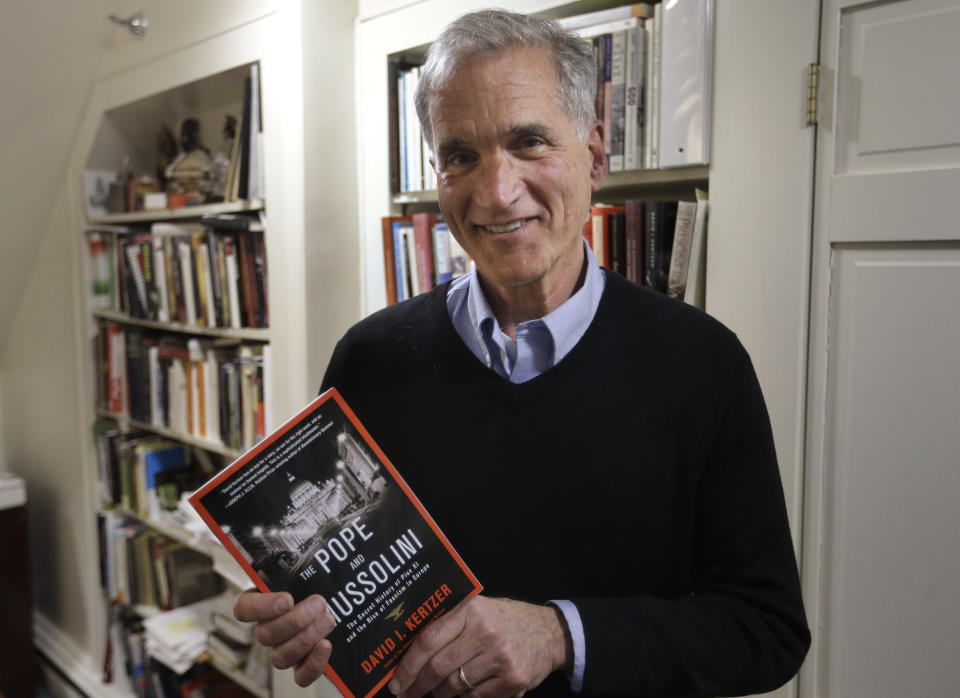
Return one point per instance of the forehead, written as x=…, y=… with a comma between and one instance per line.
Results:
x=517, y=86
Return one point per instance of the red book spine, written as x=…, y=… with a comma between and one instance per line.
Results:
x=423, y=238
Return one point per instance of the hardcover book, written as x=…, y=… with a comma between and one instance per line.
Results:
x=316, y=507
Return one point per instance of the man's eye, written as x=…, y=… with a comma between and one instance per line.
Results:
x=531, y=142
x=460, y=159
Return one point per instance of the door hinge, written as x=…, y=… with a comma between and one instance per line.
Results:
x=813, y=89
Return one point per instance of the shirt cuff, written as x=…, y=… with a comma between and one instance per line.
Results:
x=572, y=616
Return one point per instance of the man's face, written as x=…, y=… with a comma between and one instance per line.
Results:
x=514, y=179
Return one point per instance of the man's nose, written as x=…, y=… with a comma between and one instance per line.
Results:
x=499, y=184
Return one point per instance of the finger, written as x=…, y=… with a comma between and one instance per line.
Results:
x=311, y=668
x=282, y=628
x=252, y=605
x=423, y=653
x=476, y=675
x=296, y=650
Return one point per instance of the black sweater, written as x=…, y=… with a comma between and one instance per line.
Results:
x=637, y=477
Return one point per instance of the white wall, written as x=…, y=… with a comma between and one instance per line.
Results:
x=51, y=52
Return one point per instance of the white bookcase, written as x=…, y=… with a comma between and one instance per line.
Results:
x=204, y=79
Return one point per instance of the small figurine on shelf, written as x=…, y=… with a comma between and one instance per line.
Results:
x=189, y=175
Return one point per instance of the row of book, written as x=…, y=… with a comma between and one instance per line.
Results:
x=141, y=472
x=653, y=90
x=410, y=168
x=194, y=387
x=419, y=252
x=624, y=42
x=131, y=663
x=660, y=244
x=141, y=566
x=196, y=274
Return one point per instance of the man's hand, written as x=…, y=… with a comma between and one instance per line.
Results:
x=295, y=634
x=504, y=648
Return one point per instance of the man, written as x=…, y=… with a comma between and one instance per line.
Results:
x=599, y=455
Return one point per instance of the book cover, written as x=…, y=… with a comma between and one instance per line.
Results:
x=317, y=507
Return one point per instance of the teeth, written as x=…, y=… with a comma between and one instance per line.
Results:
x=504, y=228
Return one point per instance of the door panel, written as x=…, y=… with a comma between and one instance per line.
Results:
x=881, y=553
x=893, y=558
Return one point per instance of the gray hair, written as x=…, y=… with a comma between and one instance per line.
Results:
x=490, y=33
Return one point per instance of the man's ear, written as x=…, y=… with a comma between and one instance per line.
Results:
x=598, y=156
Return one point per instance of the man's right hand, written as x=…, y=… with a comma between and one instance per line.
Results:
x=295, y=634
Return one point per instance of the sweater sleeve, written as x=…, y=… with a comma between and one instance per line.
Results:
x=741, y=629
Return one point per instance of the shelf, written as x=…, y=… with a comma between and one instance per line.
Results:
x=256, y=334
x=653, y=178
x=615, y=180
x=237, y=676
x=186, y=212
x=213, y=446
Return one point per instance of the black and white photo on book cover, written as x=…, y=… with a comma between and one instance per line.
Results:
x=316, y=507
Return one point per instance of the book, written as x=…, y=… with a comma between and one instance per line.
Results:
x=317, y=507
x=686, y=67
x=423, y=246
x=442, y=261
x=634, y=240
x=660, y=222
x=680, y=255
x=589, y=19
x=389, y=257
x=694, y=293
x=634, y=109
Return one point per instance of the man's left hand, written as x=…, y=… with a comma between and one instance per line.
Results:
x=499, y=646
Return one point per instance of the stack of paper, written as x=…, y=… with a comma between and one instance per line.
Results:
x=178, y=637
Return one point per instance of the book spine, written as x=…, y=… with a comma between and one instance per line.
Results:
x=423, y=242
x=633, y=113
x=389, y=259
x=117, y=372
x=634, y=240
x=233, y=291
x=618, y=242
x=260, y=278
x=404, y=170
x=654, y=214
x=393, y=118
x=680, y=255
x=413, y=269
x=243, y=188
x=655, y=92
x=618, y=56
x=186, y=277
x=441, y=252
x=400, y=257
x=215, y=285
x=205, y=271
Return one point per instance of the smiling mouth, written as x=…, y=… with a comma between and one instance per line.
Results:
x=505, y=227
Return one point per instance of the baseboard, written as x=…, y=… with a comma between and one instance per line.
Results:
x=61, y=651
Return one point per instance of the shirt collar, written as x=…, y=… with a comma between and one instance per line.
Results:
x=566, y=324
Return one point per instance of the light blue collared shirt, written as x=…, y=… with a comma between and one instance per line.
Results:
x=541, y=344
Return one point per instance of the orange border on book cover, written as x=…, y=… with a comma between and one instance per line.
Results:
x=211, y=484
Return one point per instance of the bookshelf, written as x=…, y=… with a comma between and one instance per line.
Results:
x=658, y=153
x=200, y=74
x=174, y=277
x=382, y=196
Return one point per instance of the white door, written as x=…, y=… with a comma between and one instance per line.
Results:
x=881, y=549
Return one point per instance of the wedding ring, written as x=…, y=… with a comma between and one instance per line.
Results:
x=464, y=679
